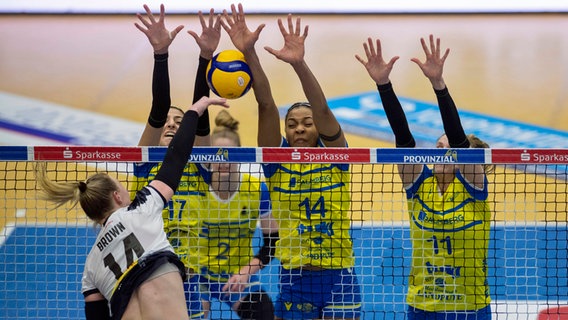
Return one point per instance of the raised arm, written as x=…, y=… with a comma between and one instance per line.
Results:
x=160, y=38
x=207, y=42
x=269, y=134
x=168, y=177
x=379, y=70
x=293, y=53
x=433, y=68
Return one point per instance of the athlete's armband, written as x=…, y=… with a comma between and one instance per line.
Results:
x=178, y=151
x=333, y=137
x=266, y=252
x=201, y=89
x=161, y=100
x=451, y=120
x=203, y=128
x=97, y=310
x=396, y=117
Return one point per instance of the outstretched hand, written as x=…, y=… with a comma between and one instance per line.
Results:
x=237, y=283
x=202, y=104
x=293, y=50
x=378, y=69
x=160, y=37
x=235, y=24
x=210, y=34
x=433, y=67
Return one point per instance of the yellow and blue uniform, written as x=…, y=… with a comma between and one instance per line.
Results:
x=311, y=203
x=224, y=242
x=179, y=217
x=450, y=239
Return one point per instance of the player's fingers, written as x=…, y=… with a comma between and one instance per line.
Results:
x=241, y=14
x=424, y=47
x=144, y=22
x=259, y=29
x=234, y=13
x=227, y=19
x=368, y=52
x=393, y=60
x=162, y=14
x=139, y=27
x=212, y=17
x=281, y=27
x=372, y=48
x=149, y=14
x=290, y=24
x=446, y=55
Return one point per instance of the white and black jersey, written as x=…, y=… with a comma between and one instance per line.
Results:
x=128, y=235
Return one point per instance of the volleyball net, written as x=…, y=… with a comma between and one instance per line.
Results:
x=43, y=250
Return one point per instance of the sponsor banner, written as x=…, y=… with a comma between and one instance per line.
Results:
x=363, y=114
x=530, y=156
x=316, y=155
x=429, y=156
x=90, y=154
x=209, y=154
x=15, y=153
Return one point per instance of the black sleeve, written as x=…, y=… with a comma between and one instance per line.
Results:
x=201, y=89
x=451, y=120
x=266, y=252
x=97, y=310
x=396, y=117
x=161, y=100
x=178, y=151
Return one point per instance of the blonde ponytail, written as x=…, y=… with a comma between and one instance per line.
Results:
x=57, y=192
x=94, y=195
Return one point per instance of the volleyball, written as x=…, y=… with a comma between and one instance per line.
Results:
x=228, y=74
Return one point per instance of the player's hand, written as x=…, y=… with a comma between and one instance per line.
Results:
x=210, y=34
x=237, y=283
x=293, y=50
x=378, y=69
x=160, y=37
x=433, y=67
x=202, y=104
x=236, y=27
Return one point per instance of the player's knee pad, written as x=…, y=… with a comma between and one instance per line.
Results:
x=256, y=306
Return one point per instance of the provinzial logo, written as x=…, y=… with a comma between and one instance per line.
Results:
x=421, y=155
x=207, y=158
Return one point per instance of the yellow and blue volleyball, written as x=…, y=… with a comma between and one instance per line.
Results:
x=228, y=74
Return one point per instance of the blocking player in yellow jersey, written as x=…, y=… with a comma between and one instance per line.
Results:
x=227, y=219
x=163, y=123
x=447, y=205
x=310, y=201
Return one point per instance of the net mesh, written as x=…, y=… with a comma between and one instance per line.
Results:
x=43, y=250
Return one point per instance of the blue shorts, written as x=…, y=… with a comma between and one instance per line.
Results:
x=207, y=289
x=417, y=314
x=316, y=294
